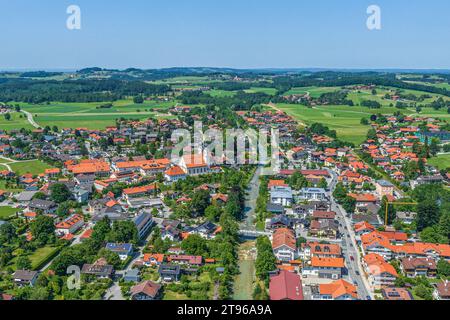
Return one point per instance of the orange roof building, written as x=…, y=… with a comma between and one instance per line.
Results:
x=338, y=290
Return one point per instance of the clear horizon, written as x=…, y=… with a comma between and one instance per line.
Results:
x=288, y=34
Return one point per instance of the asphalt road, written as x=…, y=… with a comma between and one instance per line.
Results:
x=350, y=247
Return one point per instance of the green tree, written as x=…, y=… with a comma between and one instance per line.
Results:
x=43, y=228
x=443, y=268
x=392, y=212
x=265, y=260
x=23, y=263
x=213, y=213
x=340, y=192
x=195, y=245
x=138, y=99
x=428, y=214
x=59, y=192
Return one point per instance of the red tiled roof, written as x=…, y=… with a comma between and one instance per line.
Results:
x=285, y=286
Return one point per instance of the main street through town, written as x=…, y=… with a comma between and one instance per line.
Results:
x=349, y=246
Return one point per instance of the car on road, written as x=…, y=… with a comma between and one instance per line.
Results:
x=368, y=298
x=357, y=273
x=351, y=258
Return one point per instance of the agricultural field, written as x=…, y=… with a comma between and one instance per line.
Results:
x=91, y=116
x=314, y=92
x=34, y=167
x=441, y=161
x=346, y=119
x=269, y=91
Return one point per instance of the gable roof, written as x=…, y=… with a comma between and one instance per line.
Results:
x=338, y=288
x=148, y=288
x=285, y=286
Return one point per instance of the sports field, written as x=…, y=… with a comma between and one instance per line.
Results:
x=34, y=167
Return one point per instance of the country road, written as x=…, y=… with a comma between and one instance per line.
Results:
x=30, y=119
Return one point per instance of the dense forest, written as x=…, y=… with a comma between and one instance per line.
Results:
x=74, y=90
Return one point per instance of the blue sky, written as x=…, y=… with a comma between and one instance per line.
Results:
x=224, y=33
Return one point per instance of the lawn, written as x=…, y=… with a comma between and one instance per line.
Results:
x=170, y=295
x=34, y=167
x=441, y=161
x=41, y=255
x=6, y=212
x=16, y=122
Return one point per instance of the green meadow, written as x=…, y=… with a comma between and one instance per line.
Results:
x=344, y=119
x=16, y=122
x=440, y=161
x=6, y=212
x=92, y=116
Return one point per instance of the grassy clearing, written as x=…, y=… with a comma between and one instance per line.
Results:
x=441, y=161
x=6, y=212
x=34, y=167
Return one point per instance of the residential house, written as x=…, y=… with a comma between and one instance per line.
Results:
x=185, y=260
x=286, y=286
x=313, y=194
x=337, y=290
x=327, y=268
x=380, y=273
x=416, y=267
x=70, y=225
x=284, y=244
x=174, y=174
x=25, y=277
x=281, y=195
x=442, y=291
x=143, y=223
x=384, y=188
x=132, y=275
x=169, y=272
x=154, y=259
x=147, y=290
x=47, y=207
x=401, y=294
x=320, y=250
x=123, y=250
x=100, y=269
